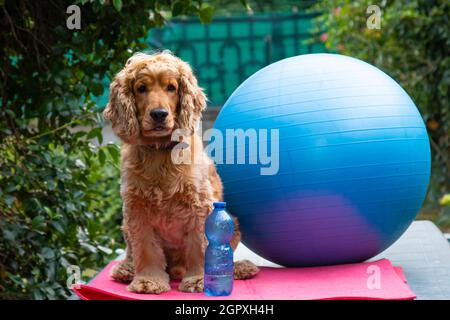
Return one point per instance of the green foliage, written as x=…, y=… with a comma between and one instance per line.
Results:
x=59, y=193
x=412, y=46
x=445, y=200
x=226, y=7
x=444, y=213
x=206, y=13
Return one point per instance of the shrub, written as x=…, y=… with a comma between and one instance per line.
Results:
x=412, y=46
x=59, y=201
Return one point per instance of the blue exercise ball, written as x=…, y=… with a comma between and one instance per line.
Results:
x=353, y=160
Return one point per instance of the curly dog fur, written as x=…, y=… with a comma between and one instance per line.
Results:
x=165, y=202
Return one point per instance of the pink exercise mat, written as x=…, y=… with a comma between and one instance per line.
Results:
x=369, y=280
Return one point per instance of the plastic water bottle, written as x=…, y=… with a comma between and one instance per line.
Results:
x=219, y=267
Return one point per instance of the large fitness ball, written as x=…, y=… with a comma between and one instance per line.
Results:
x=353, y=166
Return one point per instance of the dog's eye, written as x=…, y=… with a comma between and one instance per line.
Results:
x=142, y=89
x=171, y=88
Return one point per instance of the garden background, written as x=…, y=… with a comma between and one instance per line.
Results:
x=59, y=177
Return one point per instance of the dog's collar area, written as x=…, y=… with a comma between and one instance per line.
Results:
x=167, y=147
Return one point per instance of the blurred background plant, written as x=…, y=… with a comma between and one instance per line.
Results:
x=59, y=183
x=413, y=46
x=229, y=8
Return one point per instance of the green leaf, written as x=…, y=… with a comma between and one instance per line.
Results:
x=37, y=295
x=58, y=226
x=114, y=152
x=11, y=187
x=118, y=4
x=445, y=200
x=105, y=249
x=47, y=253
x=178, y=8
x=50, y=291
x=48, y=211
x=10, y=113
x=206, y=13
x=38, y=222
x=9, y=235
x=97, y=88
x=9, y=200
x=96, y=133
x=89, y=247
x=101, y=156
x=51, y=184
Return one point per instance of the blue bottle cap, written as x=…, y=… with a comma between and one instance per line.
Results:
x=219, y=204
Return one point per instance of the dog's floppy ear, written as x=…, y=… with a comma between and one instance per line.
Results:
x=192, y=99
x=121, y=109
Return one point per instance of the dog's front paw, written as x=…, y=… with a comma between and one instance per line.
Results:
x=191, y=284
x=149, y=285
x=123, y=271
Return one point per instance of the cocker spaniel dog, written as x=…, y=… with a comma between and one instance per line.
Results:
x=165, y=202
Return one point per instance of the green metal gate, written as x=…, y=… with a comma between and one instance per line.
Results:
x=229, y=49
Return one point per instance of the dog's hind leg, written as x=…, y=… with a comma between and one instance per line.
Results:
x=243, y=269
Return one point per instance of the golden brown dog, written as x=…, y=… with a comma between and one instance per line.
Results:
x=165, y=202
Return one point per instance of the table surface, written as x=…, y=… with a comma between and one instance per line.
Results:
x=422, y=251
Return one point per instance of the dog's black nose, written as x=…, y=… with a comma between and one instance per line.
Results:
x=159, y=115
